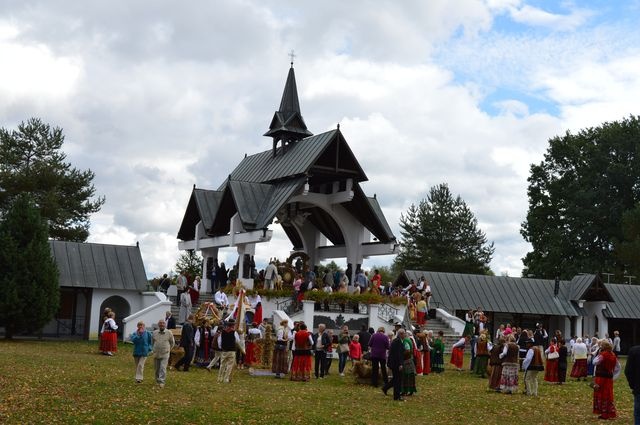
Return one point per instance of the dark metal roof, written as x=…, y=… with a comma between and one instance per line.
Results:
x=203, y=205
x=626, y=301
x=579, y=285
x=368, y=212
x=91, y=265
x=263, y=167
x=503, y=294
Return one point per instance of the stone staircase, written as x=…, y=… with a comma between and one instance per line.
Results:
x=436, y=325
x=175, y=309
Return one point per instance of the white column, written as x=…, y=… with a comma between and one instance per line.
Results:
x=308, y=313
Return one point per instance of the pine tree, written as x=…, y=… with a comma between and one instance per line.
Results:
x=31, y=161
x=441, y=234
x=29, y=291
x=190, y=264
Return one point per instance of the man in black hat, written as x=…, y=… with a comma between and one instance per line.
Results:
x=532, y=364
x=228, y=341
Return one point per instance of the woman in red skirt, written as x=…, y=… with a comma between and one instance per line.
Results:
x=109, y=335
x=603, y=402
x=551, y=370
x=579, y=354
x=457, y=353
x=301, y=365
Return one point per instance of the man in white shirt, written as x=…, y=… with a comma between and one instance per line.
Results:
x=221, y=299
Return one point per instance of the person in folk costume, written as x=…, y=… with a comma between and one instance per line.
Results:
x=509, y=356
x=593, y=353
x=256, y=305
x=579, y=355
x=228, y=341
x=532, y=364
x=253, y=335
x=216, y=349
x=606, y=369
x=426, y=352
x=109, y=335
x=418, y=356
x=495, y=361
x=279, y=364
x=468, y=324
x=268, y=346
x=562, y=361
x=301, y=365
x=551, y=369
x=457, y=352
x=437, y=355
x=187, y=341
x=408, y=366
x=194, y=294
x=421, y=307
x=482, y=355
x=203, y=341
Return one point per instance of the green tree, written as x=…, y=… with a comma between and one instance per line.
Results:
x=441, y=234
x=31, y=161
x=577, y=196
x=628, y=249
x=29, y=292
x=189, y=263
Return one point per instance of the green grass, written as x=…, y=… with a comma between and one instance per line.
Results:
x=70, y=383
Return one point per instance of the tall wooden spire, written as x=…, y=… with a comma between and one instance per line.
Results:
x=287, y=124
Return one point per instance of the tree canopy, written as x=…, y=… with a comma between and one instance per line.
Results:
x=31, y=161
x=29, y=293
x=441, y=234
x=190, y=264
x=577, y=197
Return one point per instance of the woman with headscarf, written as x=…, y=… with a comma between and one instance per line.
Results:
x=437, y=355
x=551, y=370
x=408, y=366
x=482, y=355
x=280, y=364
x=579, y=355
x=603, y=400
x=509, y=356
x=496, y=364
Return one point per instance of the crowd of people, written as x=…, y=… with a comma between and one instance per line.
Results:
x=392, y=359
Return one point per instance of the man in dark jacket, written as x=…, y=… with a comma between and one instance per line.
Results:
x=395, y=360
x=632, y=372
x=321, y=343
x=364, y=336
x=187, y=341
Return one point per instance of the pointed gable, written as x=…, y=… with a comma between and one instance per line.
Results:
x=203, y=206
x=588, y=287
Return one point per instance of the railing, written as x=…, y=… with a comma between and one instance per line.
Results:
x=349, y=307
x=289, y=306
x=387, y=312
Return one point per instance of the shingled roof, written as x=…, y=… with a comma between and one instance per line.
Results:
x=98, y=266
x=503, y=294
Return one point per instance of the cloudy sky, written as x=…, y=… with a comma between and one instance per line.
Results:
x=156, y=96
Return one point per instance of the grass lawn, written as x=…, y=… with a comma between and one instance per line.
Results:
x=69, y=382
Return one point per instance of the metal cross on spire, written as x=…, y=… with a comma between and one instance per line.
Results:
x=292, y=55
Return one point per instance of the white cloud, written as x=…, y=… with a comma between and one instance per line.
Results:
x=155, y=97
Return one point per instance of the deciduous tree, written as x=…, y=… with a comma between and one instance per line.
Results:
x=577, y=196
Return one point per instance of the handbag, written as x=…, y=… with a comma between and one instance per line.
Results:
x=553, y=355
x=344, y=348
